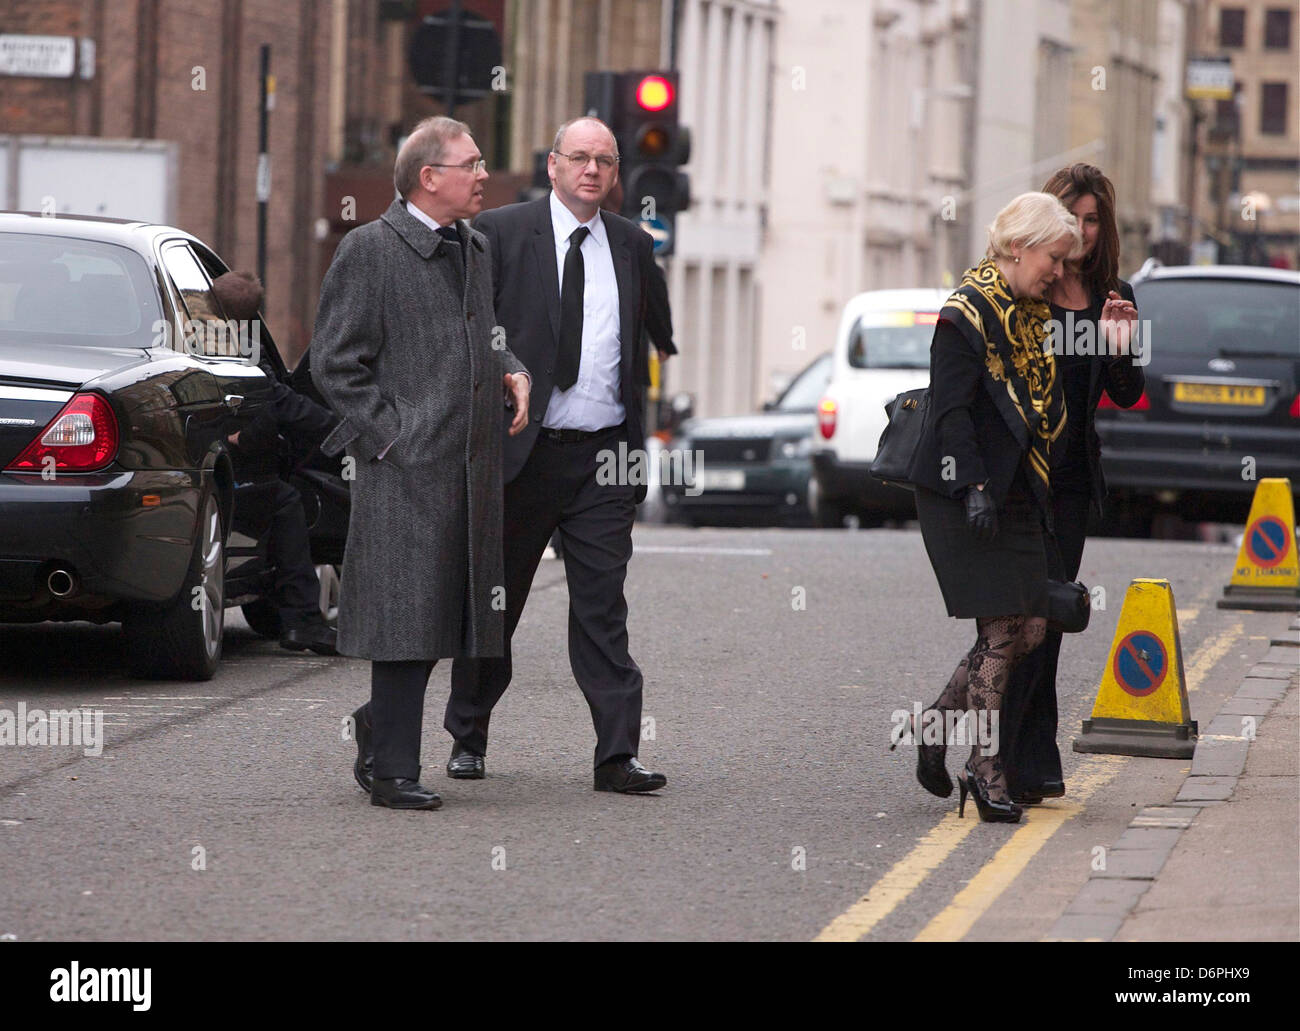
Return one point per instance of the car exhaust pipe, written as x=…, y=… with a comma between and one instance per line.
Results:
x=61, y=583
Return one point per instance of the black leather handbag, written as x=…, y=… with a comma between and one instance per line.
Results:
x=901, y=437
x=1069, y=607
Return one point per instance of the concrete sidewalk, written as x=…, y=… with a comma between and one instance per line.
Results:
x=1221, y=862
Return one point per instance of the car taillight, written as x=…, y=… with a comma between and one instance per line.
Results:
x=1295, y=407
x=826, y=417
x=1143, y=403
x=82, y=438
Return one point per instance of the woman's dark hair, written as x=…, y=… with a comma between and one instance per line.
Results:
x=1100, y=269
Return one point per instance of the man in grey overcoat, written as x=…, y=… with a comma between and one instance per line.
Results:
x=404, y=352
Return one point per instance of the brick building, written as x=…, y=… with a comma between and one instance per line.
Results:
x=188, y=72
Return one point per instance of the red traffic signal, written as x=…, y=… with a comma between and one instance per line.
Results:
x=654, y=93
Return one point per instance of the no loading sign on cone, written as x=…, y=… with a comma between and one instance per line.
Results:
x=1140, y=663
x=1267, y=573
x=1141, y=706
x=1267, y=542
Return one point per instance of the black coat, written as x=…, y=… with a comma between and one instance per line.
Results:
x=965, y=439
x=526, y=298
x=964, y=424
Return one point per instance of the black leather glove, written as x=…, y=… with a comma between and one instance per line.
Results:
x=981, y=515
x=259, y=436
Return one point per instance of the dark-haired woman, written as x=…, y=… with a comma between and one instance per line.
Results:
x=981, y=474
x=1088, y=303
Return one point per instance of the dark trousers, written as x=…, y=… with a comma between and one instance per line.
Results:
x=1029, y=717
x=395, y=714
x=558, y=488
x=297, y=588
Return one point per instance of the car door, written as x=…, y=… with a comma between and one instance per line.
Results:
x=228, y=394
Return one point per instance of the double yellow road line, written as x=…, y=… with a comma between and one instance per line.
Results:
x=1041, y=822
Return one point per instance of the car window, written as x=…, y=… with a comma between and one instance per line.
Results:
x=807, y=388
x=72, y=291
x=892, y=340
x=206, y=329
x=1215, y=318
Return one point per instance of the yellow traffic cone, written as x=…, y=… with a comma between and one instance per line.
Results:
x=1141, y=706
x=1267, y=574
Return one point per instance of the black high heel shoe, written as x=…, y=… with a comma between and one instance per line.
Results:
x=991, y=810
x=931, y=771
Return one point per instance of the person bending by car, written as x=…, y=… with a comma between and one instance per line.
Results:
x=297, y=589
x=981, y=473
x=1093, y=314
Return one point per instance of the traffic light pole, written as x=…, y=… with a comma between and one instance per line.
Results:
x=453, y=58
x=263, y=165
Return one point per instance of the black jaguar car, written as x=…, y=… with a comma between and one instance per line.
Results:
x=1221, y=409
x=121, y=498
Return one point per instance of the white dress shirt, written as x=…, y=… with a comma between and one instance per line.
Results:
x=592, y=403
x=422, y=216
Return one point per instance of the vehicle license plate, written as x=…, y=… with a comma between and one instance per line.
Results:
x=722, y=479
x=1219, y=394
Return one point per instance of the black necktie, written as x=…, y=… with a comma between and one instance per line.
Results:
x=570, y=356
x=452, y=238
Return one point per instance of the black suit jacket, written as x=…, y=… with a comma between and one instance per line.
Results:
x=526, y=297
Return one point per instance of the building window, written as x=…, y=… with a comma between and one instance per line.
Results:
x=1277, y=28
x=1232, y=26
x=1272, y=108
x=1227, y=115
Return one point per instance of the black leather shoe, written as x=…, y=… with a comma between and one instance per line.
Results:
x=1051, y=789
x=402, y=793
x=465, y=765
x=364, y=768
x=1034, y=795
x=628, y=776
x=322, y=639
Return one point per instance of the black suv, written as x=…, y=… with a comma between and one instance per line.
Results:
x=1222, y=403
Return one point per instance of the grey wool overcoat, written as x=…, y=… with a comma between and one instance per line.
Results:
x=406, y=360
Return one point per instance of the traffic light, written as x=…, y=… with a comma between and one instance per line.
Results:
x=641, y=108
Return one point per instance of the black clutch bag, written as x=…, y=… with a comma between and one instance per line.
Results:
x=901, y=437
x=1069, y=607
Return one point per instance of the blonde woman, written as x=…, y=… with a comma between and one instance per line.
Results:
x=981, y=472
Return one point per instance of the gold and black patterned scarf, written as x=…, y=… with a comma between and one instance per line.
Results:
x=1012, y=332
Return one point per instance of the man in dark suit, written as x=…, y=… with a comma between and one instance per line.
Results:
x=570, y=286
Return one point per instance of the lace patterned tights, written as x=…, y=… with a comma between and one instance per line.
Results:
x=980, y=681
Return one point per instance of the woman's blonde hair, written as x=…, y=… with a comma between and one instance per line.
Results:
x=1033, y=219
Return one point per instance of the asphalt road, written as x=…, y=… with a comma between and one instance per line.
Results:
x=771, y=720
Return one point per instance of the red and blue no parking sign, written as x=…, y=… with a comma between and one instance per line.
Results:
x=1141, y=663
x=1268, y=540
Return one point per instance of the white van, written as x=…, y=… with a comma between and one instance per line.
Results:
x=881, y=349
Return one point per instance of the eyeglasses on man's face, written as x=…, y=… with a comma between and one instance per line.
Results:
x=473, y=167
x=580, y=159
